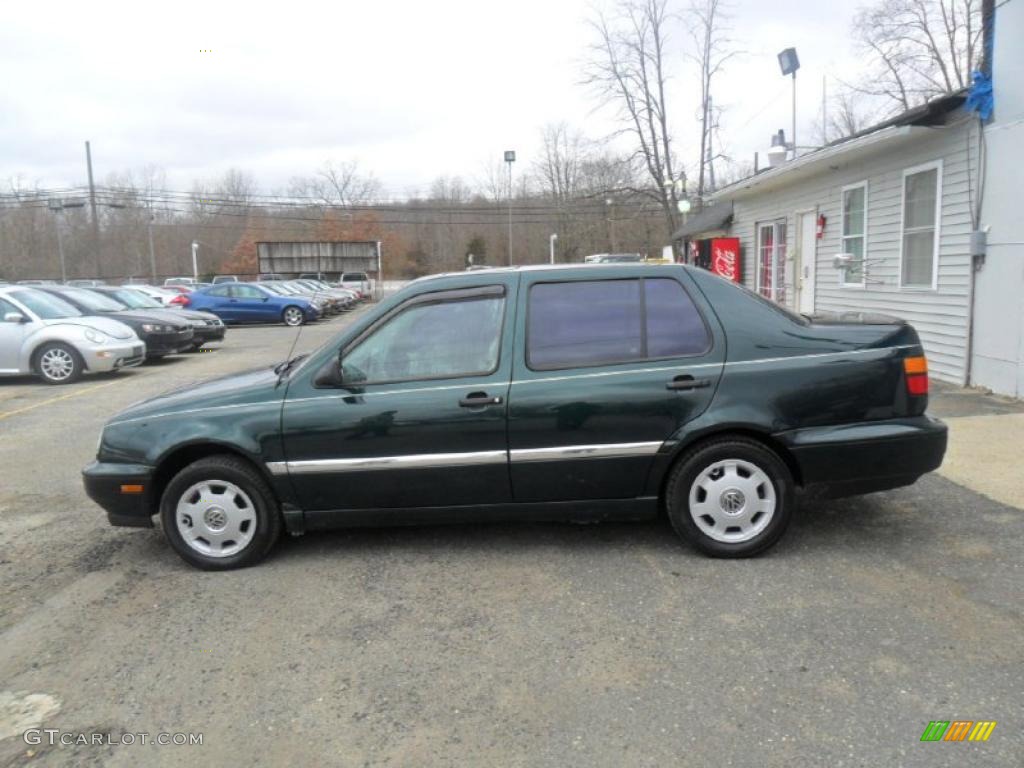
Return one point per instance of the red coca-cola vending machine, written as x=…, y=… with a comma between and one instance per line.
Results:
x=725, y=258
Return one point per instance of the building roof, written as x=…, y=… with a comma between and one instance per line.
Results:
x=903, y=127
x=709, y=219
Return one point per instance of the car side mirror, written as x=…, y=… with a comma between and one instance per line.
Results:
x=15, y=317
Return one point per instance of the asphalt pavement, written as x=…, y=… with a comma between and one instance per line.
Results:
x=506, y=645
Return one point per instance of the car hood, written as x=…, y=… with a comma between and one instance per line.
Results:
x=163, y=316
x=107, y=325
x=249, y=387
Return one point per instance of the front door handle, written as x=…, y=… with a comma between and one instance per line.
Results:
x=687, y=382
x=478, y=399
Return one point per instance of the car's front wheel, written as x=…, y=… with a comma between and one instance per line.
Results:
x=293, y=316
x=58, y=363
x=218, y=514
x=730, y=497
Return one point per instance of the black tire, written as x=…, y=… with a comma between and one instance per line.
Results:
x=72, y=362
x=293, y=316
x=748, y=453
x=223, y=469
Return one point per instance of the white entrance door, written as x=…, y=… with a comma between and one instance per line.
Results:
x=805, y=262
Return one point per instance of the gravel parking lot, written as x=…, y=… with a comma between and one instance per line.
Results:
x=509, y=645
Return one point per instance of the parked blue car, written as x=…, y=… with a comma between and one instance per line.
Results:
x=251, y=303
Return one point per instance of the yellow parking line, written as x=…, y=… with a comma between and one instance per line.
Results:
x=76, y=393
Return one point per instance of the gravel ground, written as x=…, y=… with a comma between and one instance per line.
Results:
x=504, y=645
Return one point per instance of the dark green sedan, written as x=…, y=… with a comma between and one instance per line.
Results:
x=570, y=393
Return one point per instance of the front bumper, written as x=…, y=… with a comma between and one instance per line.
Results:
x=205, y=333
x=860, y=458
x=159, y=344
x=106, y=485
x=111, y=357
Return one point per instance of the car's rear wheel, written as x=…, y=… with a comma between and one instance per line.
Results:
x=58, y=363
x=293, y=316
x=218, y=514
x=730, y=497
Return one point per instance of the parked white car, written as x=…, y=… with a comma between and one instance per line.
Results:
x=42, y=334
x=162, y=295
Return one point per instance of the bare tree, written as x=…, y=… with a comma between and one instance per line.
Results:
x=337, y=183
x=558, y=171
x=920, y=48
x=848, y=113
x=627, y=68
x=707, y=22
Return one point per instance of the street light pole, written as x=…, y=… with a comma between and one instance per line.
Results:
x=611, y=222
x=152, y=254
x=195, y=261
x=551, y=245
x=57, y=207
x=510, y=157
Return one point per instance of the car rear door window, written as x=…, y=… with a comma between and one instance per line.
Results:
x=445, y=339
x=601, y=322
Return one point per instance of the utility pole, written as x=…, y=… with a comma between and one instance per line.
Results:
x=794, y=114
x=195, y=261
x=510, y=157
x=551, y=245
x=92, y=207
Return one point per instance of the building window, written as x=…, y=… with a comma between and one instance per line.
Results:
x=771, y=260
x=920, y=243
x=854, y=232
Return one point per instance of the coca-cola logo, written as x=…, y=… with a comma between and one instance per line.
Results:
x=724, y=263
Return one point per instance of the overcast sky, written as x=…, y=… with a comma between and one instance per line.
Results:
x=412, y=90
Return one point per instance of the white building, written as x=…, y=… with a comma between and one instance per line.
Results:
x=906, y=199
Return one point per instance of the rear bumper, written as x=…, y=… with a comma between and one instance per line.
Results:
x=103, y=483
x=862, y=458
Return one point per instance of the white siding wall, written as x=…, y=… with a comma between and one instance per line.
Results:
x=940, y=316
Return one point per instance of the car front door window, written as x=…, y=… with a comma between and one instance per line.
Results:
x=432, y=341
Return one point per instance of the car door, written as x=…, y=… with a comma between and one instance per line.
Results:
x=607, y=369
x=421, y=419
x=250, y=304
x=217, y=300
x=12, y=336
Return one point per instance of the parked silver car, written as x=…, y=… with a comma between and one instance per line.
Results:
x=42, y=334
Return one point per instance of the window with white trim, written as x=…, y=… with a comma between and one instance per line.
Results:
x=920, y=237
x=771, y=260
x=854, y=232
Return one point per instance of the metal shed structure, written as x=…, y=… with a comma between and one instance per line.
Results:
x=330, y=257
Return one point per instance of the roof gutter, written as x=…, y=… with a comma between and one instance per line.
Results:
x=819, y=161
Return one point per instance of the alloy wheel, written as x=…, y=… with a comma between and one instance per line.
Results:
x=57, y=364
x=293, y=316
x=732, y=501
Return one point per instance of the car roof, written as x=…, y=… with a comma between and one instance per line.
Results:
x=620, y=267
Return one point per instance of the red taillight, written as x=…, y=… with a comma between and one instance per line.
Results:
x=181, y=300
x=916, y=370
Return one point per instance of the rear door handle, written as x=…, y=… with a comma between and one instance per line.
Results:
x=687, y=382
x=478, y=399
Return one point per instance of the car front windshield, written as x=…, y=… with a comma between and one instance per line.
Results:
x=94, y=302
x=135, y=299
x=46, y=306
